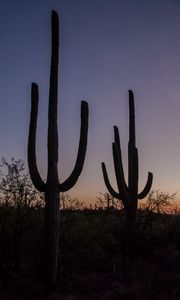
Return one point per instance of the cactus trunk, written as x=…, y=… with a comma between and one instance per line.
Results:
x=52, y=187
x=130, y=214
x=52, y=218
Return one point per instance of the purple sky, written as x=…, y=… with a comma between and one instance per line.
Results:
x=107, y=47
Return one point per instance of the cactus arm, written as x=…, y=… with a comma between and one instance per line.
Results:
x=147, y=187
x=36, y=179
x=53, y=98
x=107, y=183
x=122, y=187
x=72, y=179
x=118, y=146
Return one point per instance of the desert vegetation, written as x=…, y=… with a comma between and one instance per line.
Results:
x=94, y=257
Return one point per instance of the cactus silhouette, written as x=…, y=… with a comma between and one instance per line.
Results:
x=128, y=194
x=52, y=187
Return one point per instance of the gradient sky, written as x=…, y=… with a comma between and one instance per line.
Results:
x=107, y=47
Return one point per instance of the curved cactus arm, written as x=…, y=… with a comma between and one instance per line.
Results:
x=36, y=179
x=122, y=187
x=72, y=179
x=147, y=187
x=107, y=183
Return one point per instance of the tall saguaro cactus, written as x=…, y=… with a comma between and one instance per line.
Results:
x=127, y=193
x=52, y=187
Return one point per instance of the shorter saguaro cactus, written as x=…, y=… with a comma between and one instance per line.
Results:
x=128, y=194
x=52, y=187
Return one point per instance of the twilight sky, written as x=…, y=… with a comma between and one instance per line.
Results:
x=107, y=47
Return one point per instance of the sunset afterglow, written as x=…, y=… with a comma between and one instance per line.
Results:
x=106, y=48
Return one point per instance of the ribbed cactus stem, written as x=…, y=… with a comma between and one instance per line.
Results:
x=53, y=98
x=52, y=187
x=133, y=176
x=128, y=194
x=132, y=135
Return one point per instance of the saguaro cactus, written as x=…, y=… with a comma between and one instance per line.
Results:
x=52, y=187
x=128, y=194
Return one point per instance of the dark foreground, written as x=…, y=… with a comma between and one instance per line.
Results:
x=98, y=260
